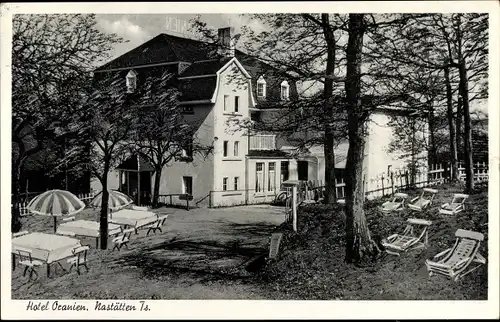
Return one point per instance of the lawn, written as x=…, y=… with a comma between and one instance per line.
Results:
x=203, y=254
x=311, y=264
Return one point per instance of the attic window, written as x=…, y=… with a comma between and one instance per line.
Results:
x=261, y=87
x=285, y=90
x=131, y=81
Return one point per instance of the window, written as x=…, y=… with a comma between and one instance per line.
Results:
x=226, y=102
x=261, y=87
x=187, y=185
x=131, y=80
x=224, y=184
x=285, y=90
x=236, y=104
x=236, y=180
x=187, y=110
x=259, y=176
x=225, y=145
x=284, y=171
x=236, y=147
x=271, y=177
x=187, y=151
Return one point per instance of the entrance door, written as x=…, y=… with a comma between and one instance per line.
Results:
x=303, y=170
x=130, y=186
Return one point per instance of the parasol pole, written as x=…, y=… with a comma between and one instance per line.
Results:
x=138, y=181
x=55, y=223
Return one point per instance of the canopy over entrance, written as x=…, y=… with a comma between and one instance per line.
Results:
x=132, y=164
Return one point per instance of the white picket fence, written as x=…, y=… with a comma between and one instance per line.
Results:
x=387, y=183
x=85, y=197
x=390, y=182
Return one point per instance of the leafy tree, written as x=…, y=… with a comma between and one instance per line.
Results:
x=454, y=44
x=52, y=56
x=110, y=123
x=163, y=135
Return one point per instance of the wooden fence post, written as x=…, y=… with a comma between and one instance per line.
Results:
x=392, y=182
x=294, y=207
x=383, y=192
x=406, y=179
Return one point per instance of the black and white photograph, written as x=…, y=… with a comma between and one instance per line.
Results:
x=322, y=152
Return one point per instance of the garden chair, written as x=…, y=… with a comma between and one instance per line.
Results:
x=29, y=263
x=456, y=205
x=19, y=234
x=67, y=219
x=79, y=259
x=157, y=225
x=397, y=202
x=123, y=239
x=454, y=261
x=408, y=240
x=424, y=200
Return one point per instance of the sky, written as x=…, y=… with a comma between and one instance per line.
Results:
x=139, y=28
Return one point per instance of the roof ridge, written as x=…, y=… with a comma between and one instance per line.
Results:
x=126, y=53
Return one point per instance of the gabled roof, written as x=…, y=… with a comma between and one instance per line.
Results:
x=163, y=48
x=203, y=60
x=197, y=89
x=204, y=67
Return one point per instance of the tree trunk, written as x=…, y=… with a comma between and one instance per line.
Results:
x=464, y=93
x=103, y=218
x=156, y=188
x=451, y=128
x=328, y=108
x=359, y=244
x=413, y=165
x=16, y=193
x=432, y=137
x=458, y=128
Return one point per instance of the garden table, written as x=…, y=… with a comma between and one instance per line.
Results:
x=49, y=248
x=133, y=218
x=88, y=228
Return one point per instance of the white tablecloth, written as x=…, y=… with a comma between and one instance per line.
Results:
x=135, y=218
x=88, y=228
x=46, y=247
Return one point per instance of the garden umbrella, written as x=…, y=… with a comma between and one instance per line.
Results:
x=56, y=203
x=116, y=200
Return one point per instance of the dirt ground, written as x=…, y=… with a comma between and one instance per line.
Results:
x=198, y=255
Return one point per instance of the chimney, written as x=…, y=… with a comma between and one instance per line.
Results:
x=226, y=42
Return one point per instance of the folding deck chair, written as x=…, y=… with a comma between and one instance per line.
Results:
x=456, y=205
x=454, y=261
x=424, y=200
x=396, y=204
x=408, y=240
